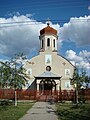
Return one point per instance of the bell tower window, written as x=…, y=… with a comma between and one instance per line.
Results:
x=42, y=44
x=54, y=43
x=48, y=42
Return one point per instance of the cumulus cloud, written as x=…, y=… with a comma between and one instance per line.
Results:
x=82, y=59
x=70, y=54
x=77, y=30
x=20, y=33
x=18, y=37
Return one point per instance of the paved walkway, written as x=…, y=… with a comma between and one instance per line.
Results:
x=41, y=111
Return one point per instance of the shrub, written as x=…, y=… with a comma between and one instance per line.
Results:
x=5, y=102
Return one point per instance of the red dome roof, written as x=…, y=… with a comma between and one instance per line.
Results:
x=48, y=30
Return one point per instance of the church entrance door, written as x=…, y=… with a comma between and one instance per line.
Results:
x=47, y=85
x=47, y=89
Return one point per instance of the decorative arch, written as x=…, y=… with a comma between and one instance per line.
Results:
x=48, y=84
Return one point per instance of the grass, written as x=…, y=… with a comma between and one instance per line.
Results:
x=10, y=112
x=73, y=112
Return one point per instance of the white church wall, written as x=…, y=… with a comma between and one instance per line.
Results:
x=48, y=57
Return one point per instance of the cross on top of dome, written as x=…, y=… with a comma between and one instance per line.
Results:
x=48, y=22
x=48, y=29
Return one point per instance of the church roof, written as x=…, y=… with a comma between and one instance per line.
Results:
x=48, y=30
x=48, y=74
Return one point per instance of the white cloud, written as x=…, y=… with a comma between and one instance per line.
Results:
x=14, y=13
x=77, y=30
x=23, y=37
x=88, y=7
x=71, y=55
x=20, y=37
x=84, y=54
x=82, y=59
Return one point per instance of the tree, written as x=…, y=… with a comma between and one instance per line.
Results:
x=84, y=78
x=5, y=73
x=12, y=74
x=78, y=80
x=17, y=80
x=75, y=77
x=75, y=82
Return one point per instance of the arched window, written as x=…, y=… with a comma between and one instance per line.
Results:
x=48, y=42
x=54, y=43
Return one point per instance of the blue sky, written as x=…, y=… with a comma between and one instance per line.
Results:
x=70, y=17
x=54, y=9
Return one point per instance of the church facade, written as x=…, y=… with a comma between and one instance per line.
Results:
x=48, y=70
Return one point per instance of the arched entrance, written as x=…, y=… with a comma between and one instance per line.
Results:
x=47, y=86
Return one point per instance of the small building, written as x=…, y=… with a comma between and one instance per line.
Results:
x=48, y=70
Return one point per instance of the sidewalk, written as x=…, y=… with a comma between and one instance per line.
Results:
x=41, y=111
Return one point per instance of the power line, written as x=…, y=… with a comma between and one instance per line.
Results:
x=34, y=22
x=44, y=4
x=59, y=20
x=51, y=2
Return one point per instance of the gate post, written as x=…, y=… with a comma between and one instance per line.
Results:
x=58, y=91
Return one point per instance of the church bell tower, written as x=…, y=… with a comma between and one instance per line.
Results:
x=48, y=39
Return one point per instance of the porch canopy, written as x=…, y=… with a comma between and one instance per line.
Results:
x=47, y=74
x=48, y=81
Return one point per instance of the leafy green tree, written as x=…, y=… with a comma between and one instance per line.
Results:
x=84, y=78
x=5, y=73
x=80, y=79
x=12, y=74
x=75, y=77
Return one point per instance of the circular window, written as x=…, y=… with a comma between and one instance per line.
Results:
x=48, y=68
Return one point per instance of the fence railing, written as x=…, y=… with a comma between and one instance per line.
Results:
x=63, y=95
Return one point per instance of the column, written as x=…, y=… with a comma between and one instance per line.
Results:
x=58, y=87
x=37, y=87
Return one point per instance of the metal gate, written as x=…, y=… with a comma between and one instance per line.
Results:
x=47, y=96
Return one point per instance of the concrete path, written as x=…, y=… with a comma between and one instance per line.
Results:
x=41, y=111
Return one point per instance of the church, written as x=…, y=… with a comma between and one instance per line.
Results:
x=48, y=70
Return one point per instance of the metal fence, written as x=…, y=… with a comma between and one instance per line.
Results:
x=46, y=95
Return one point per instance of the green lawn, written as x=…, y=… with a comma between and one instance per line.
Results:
x=10, y=112
x=73, y=112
